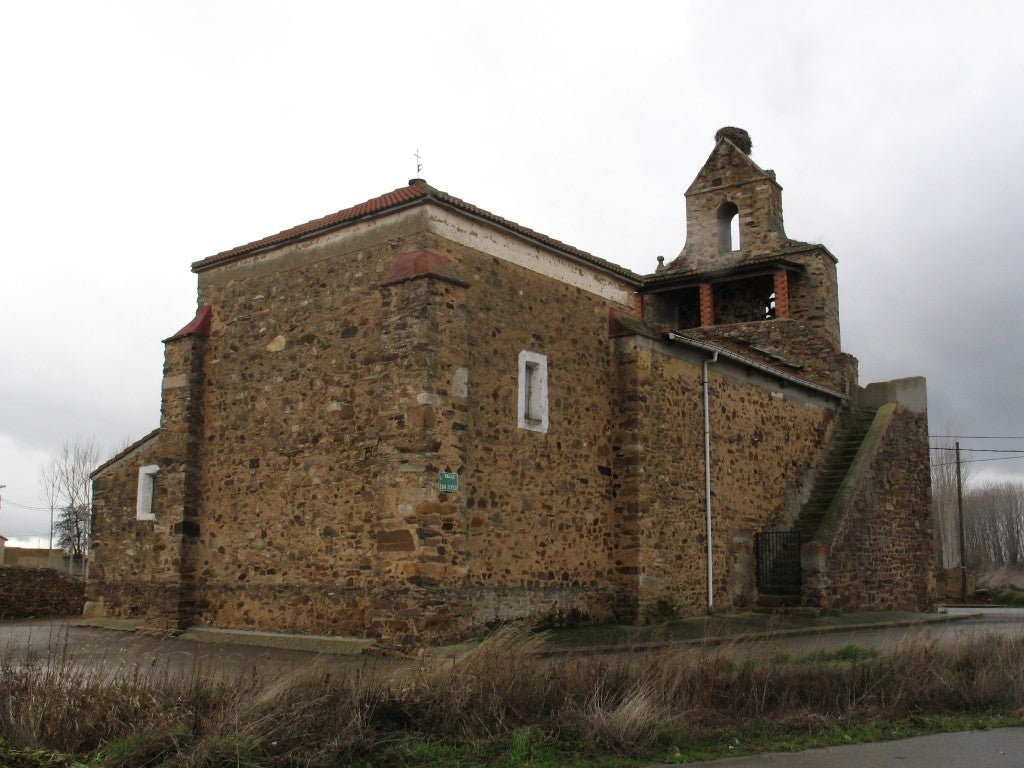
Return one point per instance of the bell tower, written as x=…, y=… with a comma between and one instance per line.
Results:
x=733, y=208
x=739, y=274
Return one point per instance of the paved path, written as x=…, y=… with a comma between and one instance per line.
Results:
x=975, y=624
x=110, y=648
x=124, y=652
x=999, y=748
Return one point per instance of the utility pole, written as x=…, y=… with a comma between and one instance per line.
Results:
x=49, y=551
x=960, y=519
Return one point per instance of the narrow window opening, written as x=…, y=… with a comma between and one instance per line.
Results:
x=728, y=228
x=144, y=497
x=533, y=391
x=530, y=382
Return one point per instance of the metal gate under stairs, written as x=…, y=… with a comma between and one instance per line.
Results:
x=778, y=562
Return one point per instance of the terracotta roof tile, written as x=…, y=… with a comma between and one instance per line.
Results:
x=198, y=326
x=418, y=191
x=378, y=204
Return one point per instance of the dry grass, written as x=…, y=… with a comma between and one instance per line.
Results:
x=624, y=704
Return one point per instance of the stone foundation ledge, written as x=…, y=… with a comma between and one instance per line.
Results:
x=110, y=622
x=333, y=644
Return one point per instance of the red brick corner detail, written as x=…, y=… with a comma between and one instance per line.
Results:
x=409, y=266
x=199, y=326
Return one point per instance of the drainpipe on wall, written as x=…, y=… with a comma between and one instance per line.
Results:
x=707, y=476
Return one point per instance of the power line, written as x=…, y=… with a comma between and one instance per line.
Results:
x=8, y=502
x=981, y=450
x=978, y=461
x=979, y=437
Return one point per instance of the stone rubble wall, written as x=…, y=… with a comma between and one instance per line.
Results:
x=539, y=513
x=330, y=402
x=127, y=555
x=145, y=568
x=789, y=346
x=729, y=176
x=814, y=294
x=35, y=592
x=297, y=455
x=764, y=446
x=877, y=552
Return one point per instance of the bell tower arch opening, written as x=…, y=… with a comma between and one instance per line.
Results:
x=728, y=228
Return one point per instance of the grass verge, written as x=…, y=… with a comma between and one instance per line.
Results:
x=503, y=704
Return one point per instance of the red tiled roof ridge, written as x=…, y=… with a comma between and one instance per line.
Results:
x=418, y=190
x=391, y=199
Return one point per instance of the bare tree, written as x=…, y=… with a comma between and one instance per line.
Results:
x=944, y=499
x=67, y=489
x=994, y=523
x=49, y=482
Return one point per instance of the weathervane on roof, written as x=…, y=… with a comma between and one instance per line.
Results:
x=419, y=161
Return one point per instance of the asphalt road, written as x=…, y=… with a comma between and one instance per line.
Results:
x=116, y=649
x=975, y=624
x=1000, y=748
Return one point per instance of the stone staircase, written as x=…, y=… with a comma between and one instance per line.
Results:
x=779, y=557
x=834, y=470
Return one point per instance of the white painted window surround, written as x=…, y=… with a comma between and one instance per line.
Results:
x=533, y=391
x=144, y=497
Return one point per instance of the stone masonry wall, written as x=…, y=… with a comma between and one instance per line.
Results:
x=34, y=592
x=133, y=563
x=881, y=557
x=296, y=452
x=332, y=400
x=541, y=535
x=763, y=447
x=788, y=345
x=729, y=176
x=814, y=294
x=145, y=568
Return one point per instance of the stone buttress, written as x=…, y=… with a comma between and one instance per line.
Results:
x=177, y=456
x=420, y=556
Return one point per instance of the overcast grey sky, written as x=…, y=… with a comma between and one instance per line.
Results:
x=138, y=137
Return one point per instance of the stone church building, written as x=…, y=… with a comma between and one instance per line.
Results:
x=412, y=419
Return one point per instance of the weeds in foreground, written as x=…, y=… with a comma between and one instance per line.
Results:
x=500, y=703
x=1009, y=596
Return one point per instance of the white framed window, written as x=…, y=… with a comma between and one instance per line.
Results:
x=533, y=391
x=144, y=496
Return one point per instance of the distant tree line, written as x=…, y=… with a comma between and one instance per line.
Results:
x=994, y=525
x=993, y=516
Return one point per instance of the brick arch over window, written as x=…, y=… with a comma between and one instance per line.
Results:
x=728, y=227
